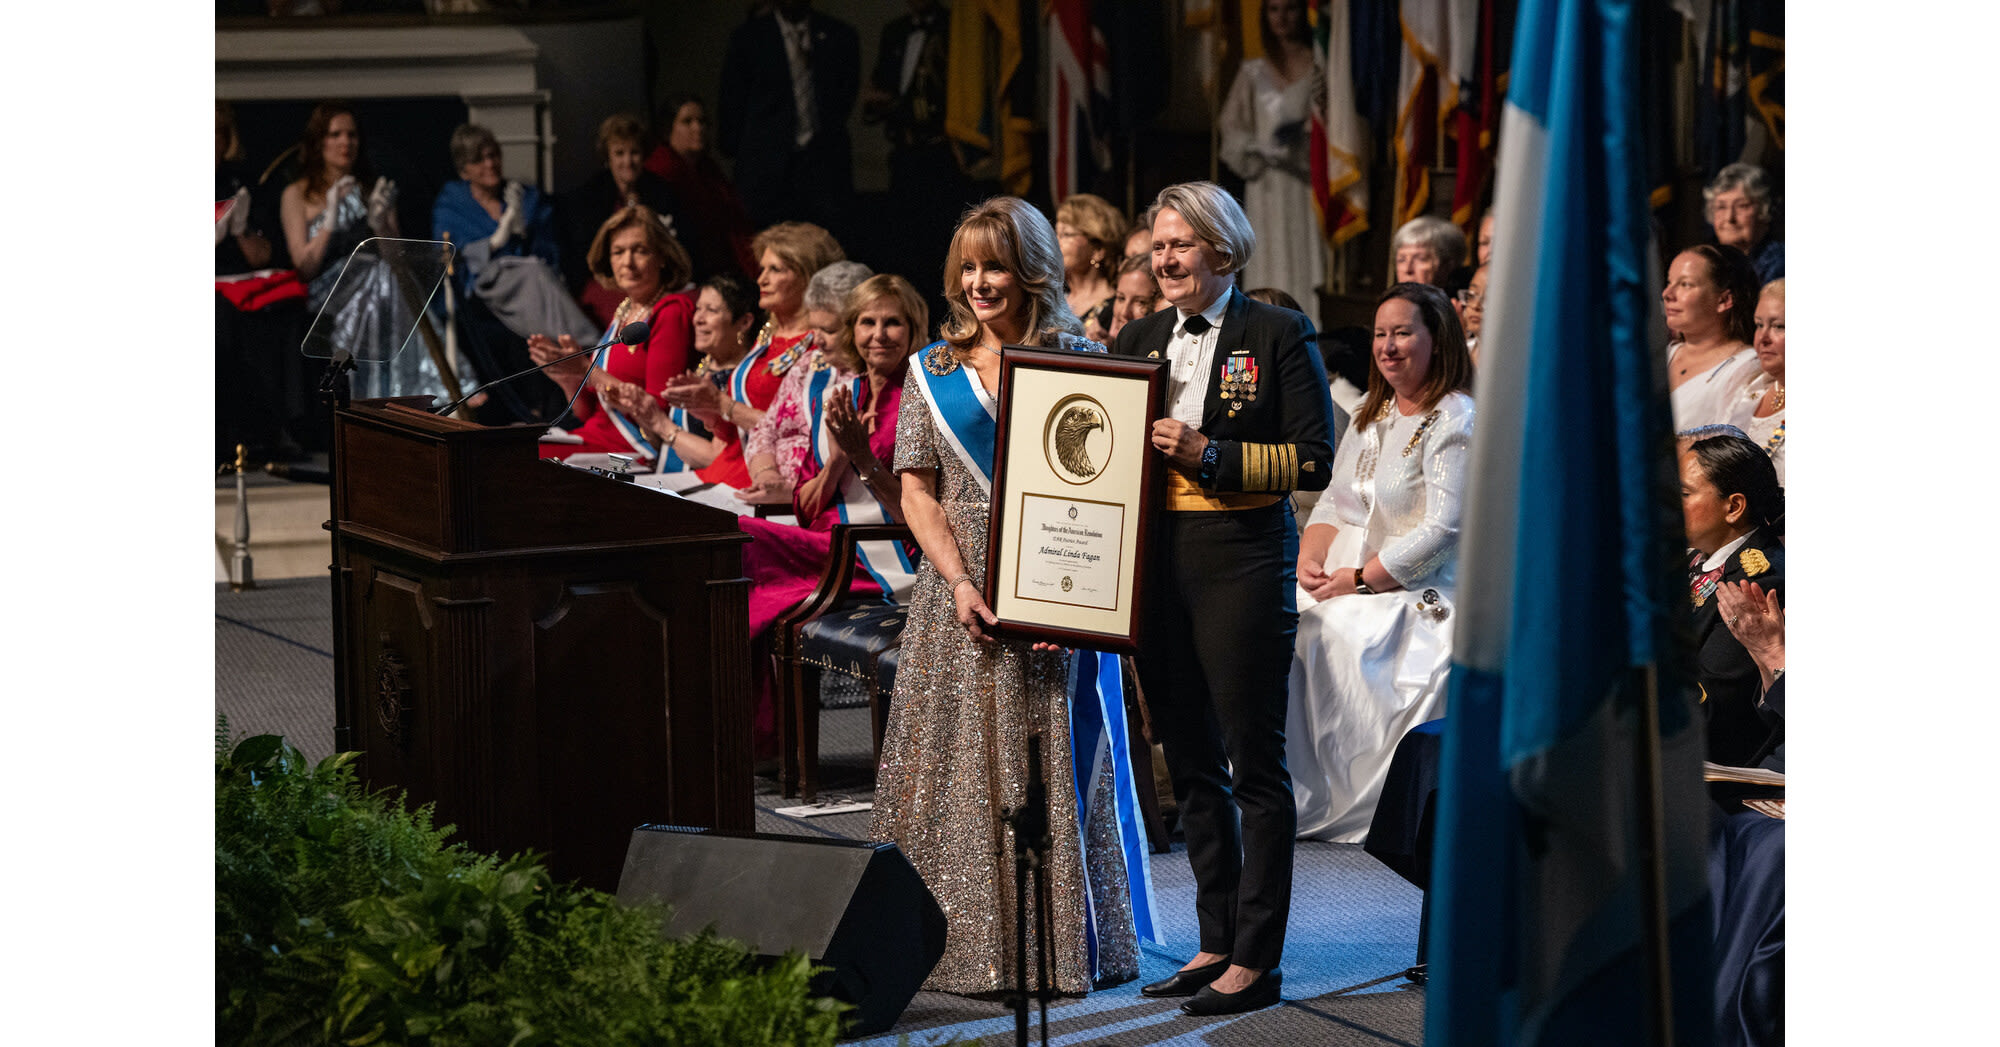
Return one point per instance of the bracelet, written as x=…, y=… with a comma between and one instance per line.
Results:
x=956, y=582
x=671, y=437
x=1361, y=585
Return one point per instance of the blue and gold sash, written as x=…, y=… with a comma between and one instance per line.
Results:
x=963, y=413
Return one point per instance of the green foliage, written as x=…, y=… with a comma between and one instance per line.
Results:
x=344, y=918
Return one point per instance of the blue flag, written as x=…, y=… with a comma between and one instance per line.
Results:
x=1573, y=588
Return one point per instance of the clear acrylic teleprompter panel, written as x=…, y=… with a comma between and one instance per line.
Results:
x=378, y=299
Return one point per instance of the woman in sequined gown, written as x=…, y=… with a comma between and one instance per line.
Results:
x=334, y=207
x=1376, y=568
x=955, y=753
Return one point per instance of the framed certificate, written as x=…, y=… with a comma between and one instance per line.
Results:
x=1074, y=481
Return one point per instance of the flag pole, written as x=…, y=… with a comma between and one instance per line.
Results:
x=1653, y=865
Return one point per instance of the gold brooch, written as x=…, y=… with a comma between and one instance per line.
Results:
x=1754, y=563
x=940, y=361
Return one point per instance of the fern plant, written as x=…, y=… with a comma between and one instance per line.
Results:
x=343, y=917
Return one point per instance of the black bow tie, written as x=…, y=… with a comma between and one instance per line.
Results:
x=1196, y=325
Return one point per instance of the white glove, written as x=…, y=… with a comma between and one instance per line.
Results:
x=512, y=222
x=239, y=215
x=338, y=191
x=381, y=206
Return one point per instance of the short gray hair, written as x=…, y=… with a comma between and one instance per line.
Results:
x=828, y=289
x=1216, y=218
x=1748, y=177
x=467, y=142
x=1444, y=240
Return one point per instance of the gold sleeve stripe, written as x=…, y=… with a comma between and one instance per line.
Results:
x=1270, y=467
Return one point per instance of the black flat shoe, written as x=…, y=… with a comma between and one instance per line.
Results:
x=1185, y=983
x=1259, y=994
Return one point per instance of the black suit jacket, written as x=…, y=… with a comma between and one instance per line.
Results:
x=758, y=117
x=917, y=116
x=1741, y=732
x=1281, y=437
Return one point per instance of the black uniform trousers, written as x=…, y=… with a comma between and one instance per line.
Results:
x=1215, y=655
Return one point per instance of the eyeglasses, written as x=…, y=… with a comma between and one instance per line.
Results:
x=1472, y=301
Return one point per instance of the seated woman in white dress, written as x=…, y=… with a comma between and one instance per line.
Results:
x=1710, y=303
x=1376, y=568
x=1760, y=409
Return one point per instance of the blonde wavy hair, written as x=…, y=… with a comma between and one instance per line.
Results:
x=1008, y=230
x=881, y=287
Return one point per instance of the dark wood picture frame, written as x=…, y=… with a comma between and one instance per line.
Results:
x=1153, y=373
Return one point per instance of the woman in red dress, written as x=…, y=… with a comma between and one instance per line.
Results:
x=790, y=252
x=633, y=253
x=854, y=396
x=718, y=229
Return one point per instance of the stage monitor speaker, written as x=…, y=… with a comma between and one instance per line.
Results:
x=856, y=907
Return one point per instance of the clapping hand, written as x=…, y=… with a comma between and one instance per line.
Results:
x=338, y=191
x=634, y=402
x=696, y=394
x=382, y=207
x=849, y=430
x=543, y=350
x=1755, y=619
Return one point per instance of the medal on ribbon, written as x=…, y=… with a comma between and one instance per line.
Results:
x=1239, y=380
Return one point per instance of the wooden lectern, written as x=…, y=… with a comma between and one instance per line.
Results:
x=552, y=657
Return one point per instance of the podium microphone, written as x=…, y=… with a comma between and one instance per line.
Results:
x=634, y=333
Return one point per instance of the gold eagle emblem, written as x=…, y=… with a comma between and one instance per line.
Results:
x=1754, y=562
x=1072, y=429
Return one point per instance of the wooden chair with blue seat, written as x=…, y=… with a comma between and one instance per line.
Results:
x=833, y=630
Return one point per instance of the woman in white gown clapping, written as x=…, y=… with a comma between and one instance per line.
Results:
x=1376, y=568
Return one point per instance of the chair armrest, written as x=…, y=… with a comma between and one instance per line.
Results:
x=841, y=556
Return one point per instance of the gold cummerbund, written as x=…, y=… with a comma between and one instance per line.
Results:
x=1185, y=495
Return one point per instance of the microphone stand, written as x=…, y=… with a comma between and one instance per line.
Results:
x=1032, y=842
x=625, y=336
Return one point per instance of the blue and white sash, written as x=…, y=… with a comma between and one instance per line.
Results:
x=627, y=428
x=887, y=562
x=1097, y=724
x=964, y=415
x=739, y=377
x=671, y=461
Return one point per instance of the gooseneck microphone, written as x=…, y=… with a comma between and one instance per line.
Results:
x=634, y=333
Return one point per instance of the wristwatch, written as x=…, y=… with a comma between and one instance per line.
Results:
x=1211, y=463
x=1361, y=584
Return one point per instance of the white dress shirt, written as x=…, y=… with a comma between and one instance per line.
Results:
x=1190, y=360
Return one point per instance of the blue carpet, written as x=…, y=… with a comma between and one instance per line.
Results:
x=1353, y=926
